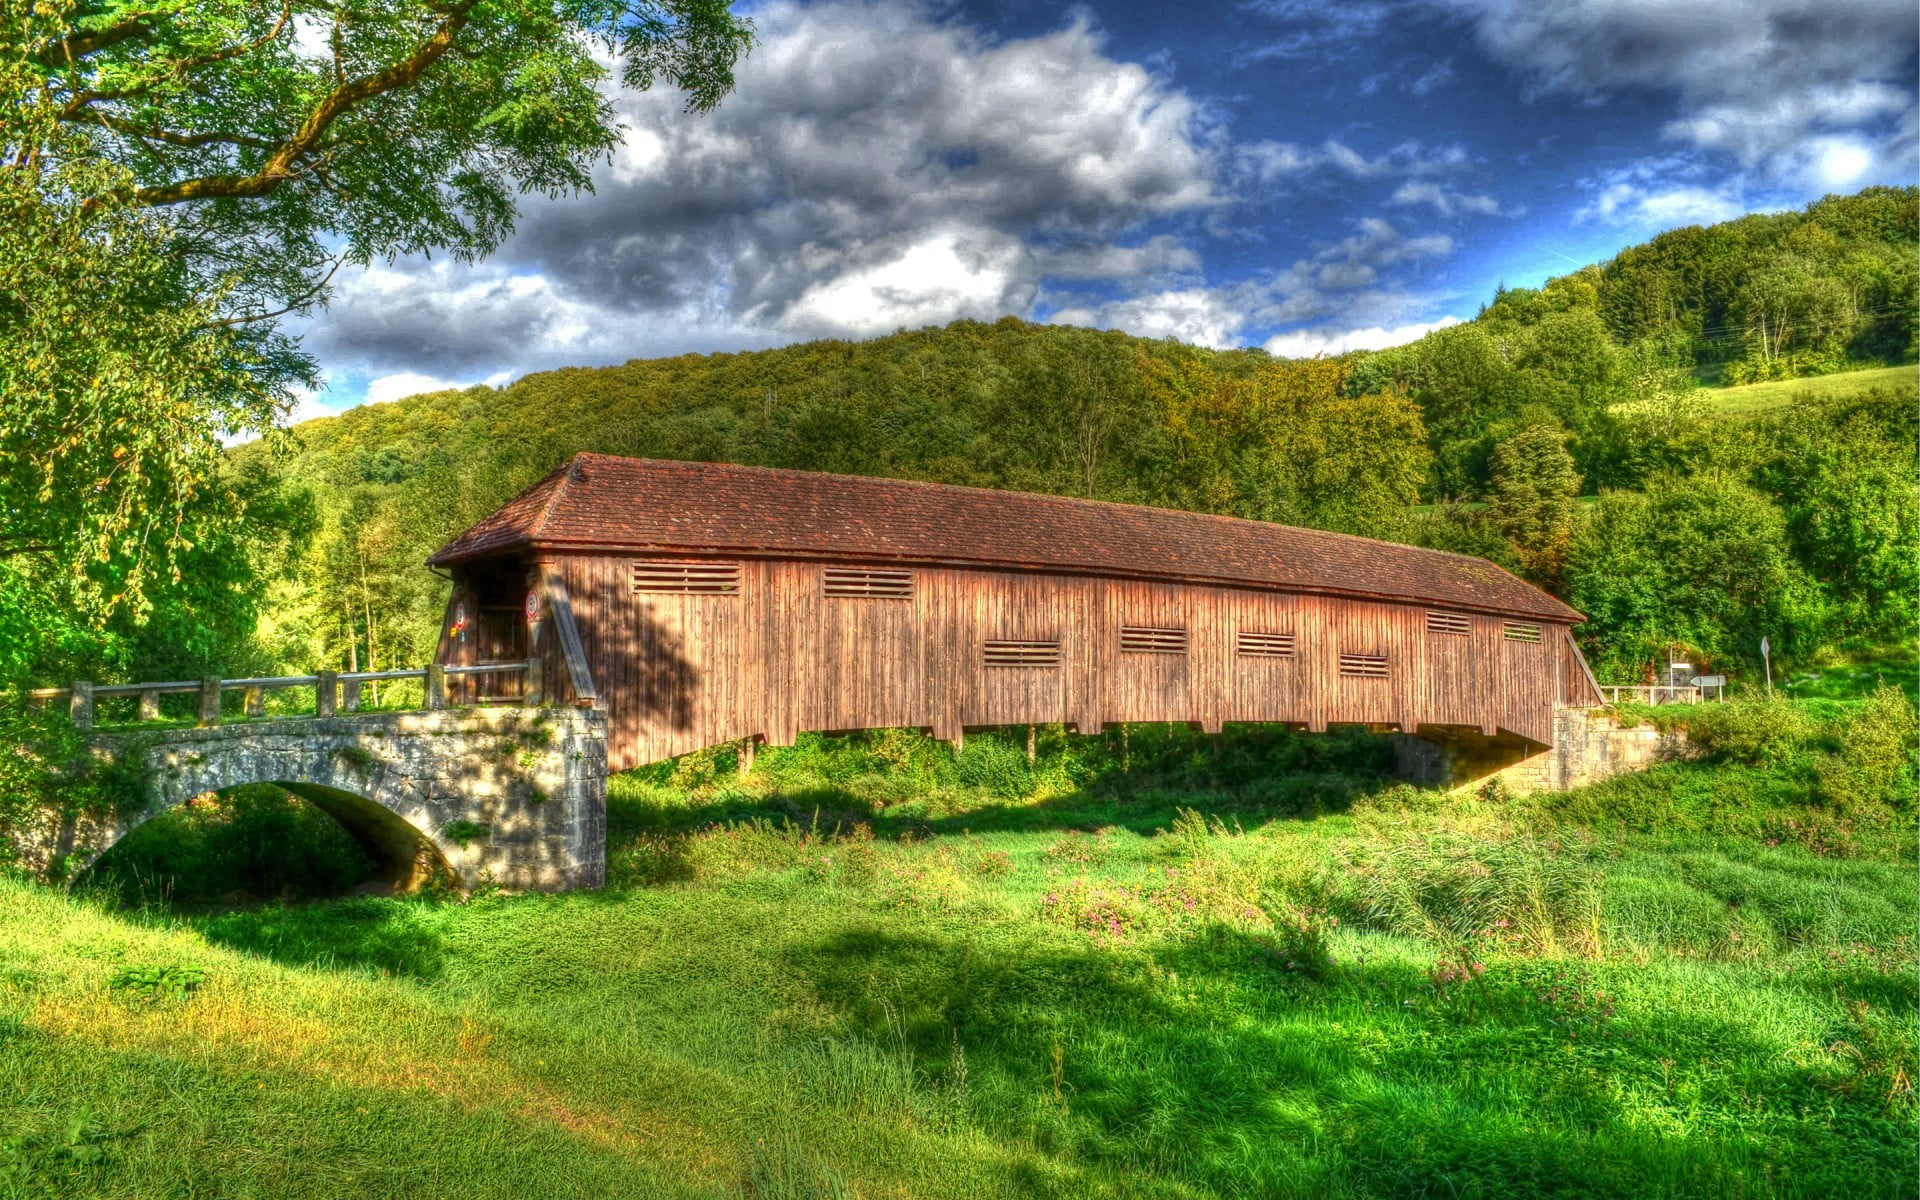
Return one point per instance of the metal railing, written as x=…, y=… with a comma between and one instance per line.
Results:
x=330, y=689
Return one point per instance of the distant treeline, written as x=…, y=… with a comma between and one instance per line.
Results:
x=1560, y=433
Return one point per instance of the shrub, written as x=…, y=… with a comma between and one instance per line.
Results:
x=1874, y=765
x=1756, y=732
x=464, y=832
x=1300, y=942
x=995, y=766
x=151, y=984
x=1079, y=849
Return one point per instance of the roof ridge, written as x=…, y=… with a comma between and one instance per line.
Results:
x=1050, y=497
x=602, y=501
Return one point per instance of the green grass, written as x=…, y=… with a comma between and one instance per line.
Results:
x=872, y=969
x=1853, y=677
x=1758, y=397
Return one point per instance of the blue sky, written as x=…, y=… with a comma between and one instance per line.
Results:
x=1305, y=177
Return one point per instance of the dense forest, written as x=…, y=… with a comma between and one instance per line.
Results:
x=1564, y=433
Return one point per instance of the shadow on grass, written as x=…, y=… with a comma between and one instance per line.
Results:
x=1205, y=1062
x=898, y=782
x=387, y=937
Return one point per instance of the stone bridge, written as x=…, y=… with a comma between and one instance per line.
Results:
x=512, y=796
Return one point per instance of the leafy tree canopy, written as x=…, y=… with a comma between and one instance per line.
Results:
x=175, y=175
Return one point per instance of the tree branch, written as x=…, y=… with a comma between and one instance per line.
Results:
x=191, y=141
x=76, y=46
x=281, y=166
x=310, y=293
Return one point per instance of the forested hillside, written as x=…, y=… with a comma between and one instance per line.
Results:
x=1560, y=433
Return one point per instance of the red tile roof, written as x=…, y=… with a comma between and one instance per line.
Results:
x=649, y=506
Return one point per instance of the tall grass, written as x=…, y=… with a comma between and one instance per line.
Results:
x=1175, y=981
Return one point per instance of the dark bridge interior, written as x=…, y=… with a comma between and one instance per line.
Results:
x=273, y=841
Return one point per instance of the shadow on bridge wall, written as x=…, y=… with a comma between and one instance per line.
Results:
x=404, y=858
x=646, y=679
x=505, y=795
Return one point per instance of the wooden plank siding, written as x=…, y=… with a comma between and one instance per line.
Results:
x=680, y=672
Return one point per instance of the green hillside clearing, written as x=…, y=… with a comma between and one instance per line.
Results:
x=1758, y=397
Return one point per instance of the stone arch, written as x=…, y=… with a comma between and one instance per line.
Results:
x=405, y=857
x=503, y=795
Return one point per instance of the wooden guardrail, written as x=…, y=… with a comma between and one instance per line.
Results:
x=1651, y=694
x=330, y=688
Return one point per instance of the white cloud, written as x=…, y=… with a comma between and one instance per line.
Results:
x=1343, y=278
x=1444, y=200
x=1309, y=343
x=1269, y=162
x=401, y=384
x=1199, y=316
x=878, y=165
x=929, y=280
x=1663, y=194
x=1754, y=79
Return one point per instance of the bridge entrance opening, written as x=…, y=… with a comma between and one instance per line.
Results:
x=284, y=841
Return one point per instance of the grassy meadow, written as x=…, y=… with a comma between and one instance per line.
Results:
x=1145, y=965
x=1778, y=393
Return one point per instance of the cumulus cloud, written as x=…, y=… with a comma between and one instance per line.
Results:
x=1762, y=81
x=881, y=166
x=401, y=384
x=876, y=167
x=864, y=145
x=1309, y=343
x=1200, y=316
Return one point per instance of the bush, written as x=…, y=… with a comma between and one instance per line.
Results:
x=1301, y=939
x=151, y=985
x=1874, y=765
x=995, y=766
x=1755, y=732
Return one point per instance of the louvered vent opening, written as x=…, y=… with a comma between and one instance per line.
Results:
x=1023, y=654
x=1517, y=632
x=1456, y=623
x=861, y=583
x=687, y=578
x=1265, y=645
x=1140, y=640
x=1366, y=666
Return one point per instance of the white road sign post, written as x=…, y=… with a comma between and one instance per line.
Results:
x=1766, y=660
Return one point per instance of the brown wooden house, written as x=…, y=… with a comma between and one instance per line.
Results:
x=699, y=603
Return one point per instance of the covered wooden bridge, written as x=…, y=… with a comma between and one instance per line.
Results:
x=700, y=603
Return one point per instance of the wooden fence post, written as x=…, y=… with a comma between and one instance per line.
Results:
x=81, y=705
x=149, y=706
x=209, y=700
x=326, y=693
x=256, y=701
x=531, y=695
x=747, y=745
x=436, y=686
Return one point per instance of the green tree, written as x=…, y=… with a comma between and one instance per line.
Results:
x=1531, y=499
x=175, y=175
x=1705, y=562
